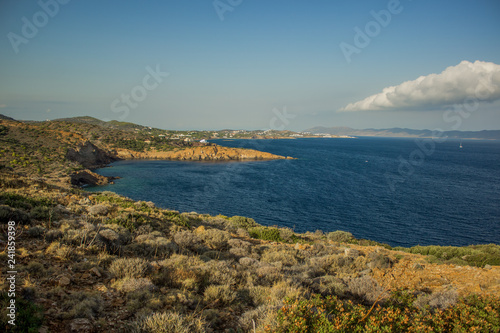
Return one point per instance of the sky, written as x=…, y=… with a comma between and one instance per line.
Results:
x=254, y=64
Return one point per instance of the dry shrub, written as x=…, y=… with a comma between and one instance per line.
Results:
x=98, y=210
x=441, y=300
x=131, y=284
x=220, y=272
x=152, y=244
x=328, y=285
x=219, y=295
x=268, y=274
x=187, y=240
x=83, y=305
x=365, y=288
x=169, y=322
x=60, y=250
x=339, y=236
x=239, y=247
x=379, y=260
x=284, y=255
x=129, y=268
x=215, y=239
x=263, y=319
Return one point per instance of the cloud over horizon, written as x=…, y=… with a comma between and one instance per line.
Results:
x=456, y=84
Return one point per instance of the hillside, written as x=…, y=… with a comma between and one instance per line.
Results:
x=63, y=150
x=404, y=132
x=100, y=262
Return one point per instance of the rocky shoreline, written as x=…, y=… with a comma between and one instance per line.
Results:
x=92, y=157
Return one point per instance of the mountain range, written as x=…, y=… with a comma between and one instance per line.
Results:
x=404, y=132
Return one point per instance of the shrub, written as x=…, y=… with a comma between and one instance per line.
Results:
x=60, y=250
x=266, y=233
x=242, y=222
x=365, y=288
x=36, y=231
x=186, y=240
x=285, y=256
x=36, y=269
x=83, y=305
x=131, y=284
x=440, y=300
x=219, y=295
x=328, y=285
x=41, y=213
x=129, y=267
x=378, y=260
x=168, y=322
x=340, y=236
x=286, y=234
x=215, y=239
x=473, y=314
x=98, y=210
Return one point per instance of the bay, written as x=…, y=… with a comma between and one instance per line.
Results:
x=447, y=195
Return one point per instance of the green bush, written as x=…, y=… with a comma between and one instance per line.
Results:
x=266, y=233
x=472, y=314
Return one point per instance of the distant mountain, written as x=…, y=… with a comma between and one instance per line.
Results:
x=404, y=132
x=121, y=125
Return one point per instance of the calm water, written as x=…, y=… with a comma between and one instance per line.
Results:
x=449, y=196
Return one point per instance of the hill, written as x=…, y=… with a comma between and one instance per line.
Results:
x=64, y=150
x=404, y=132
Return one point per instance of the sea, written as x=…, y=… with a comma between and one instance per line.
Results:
x=398, y=191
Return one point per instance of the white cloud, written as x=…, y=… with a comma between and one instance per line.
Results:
x=456, y=84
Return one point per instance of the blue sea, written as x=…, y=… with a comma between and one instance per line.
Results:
x=398, y=191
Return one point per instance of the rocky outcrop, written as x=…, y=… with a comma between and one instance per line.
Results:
x=87, y=177
x=89, y=155
x=204, y=153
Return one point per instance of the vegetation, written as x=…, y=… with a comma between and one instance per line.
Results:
x=398, y=314
x=474, y=255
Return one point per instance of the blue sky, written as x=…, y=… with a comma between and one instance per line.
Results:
x=260, y=59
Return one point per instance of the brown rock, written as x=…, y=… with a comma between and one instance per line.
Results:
x=64, y=281
x=95, y=271
x=87, y=177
